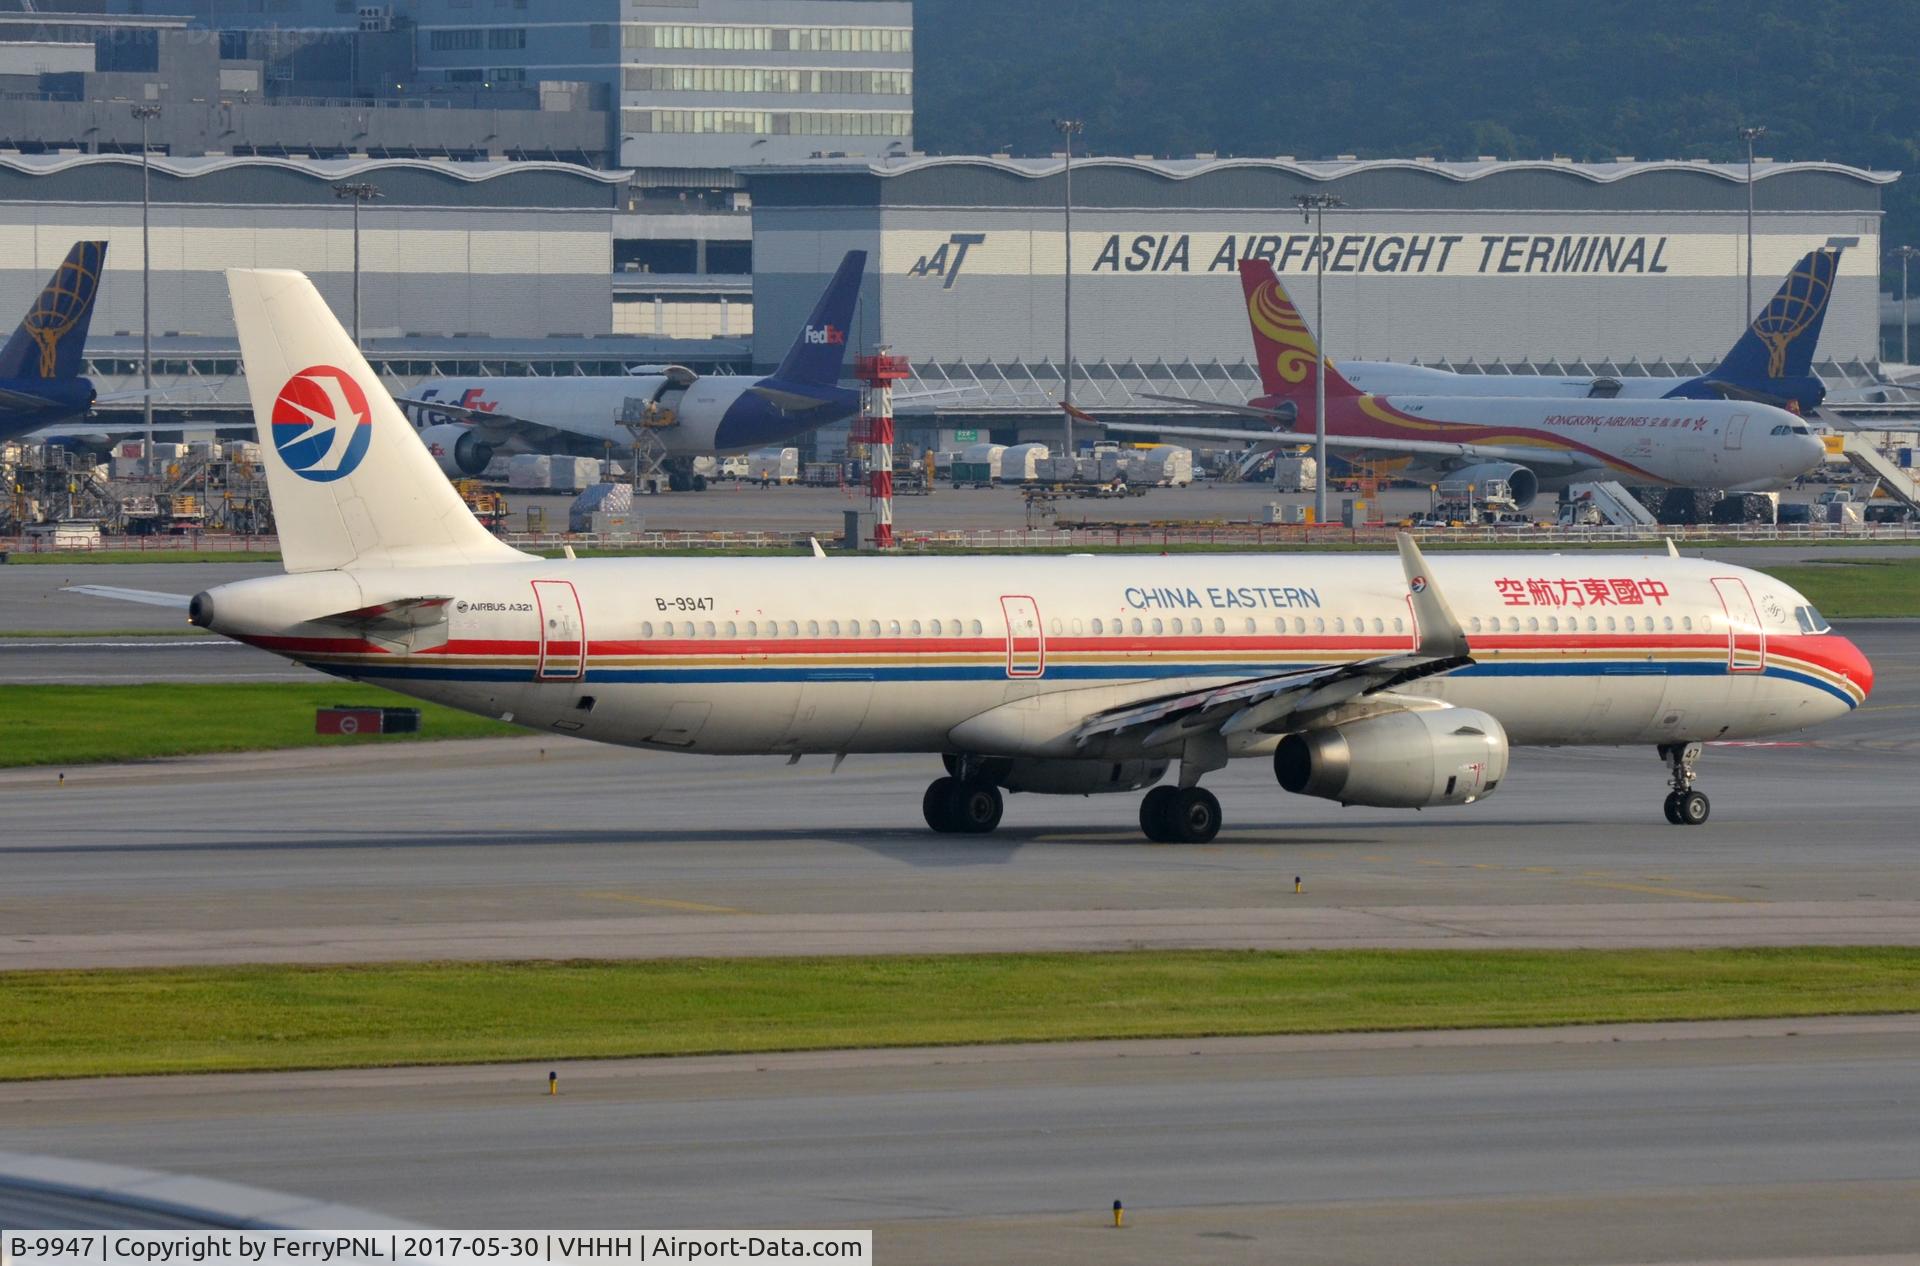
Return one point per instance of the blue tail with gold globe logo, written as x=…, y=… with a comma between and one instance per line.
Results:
x=40, y=378
x=1773, y=361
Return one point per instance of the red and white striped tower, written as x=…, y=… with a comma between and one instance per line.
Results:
x=879, y=372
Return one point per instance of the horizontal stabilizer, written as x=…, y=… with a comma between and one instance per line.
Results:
x=787, y=400
x=146, y=597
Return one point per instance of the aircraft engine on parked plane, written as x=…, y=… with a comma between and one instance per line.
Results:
x=458, y=450
x=1397, y=760
x=1522, y=484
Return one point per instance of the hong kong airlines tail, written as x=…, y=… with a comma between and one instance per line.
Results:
x=1283, y=345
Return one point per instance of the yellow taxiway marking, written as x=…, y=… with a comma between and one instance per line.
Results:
x=667, y=903
x=1684, y=893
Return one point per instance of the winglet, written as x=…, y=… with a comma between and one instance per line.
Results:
x=1441, y=636
x=817, y=551
x=1080, y=415
x=1673, y=551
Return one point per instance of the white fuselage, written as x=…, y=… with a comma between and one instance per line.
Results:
x=1006, y=656
x=596, y=414
x=1394, y=378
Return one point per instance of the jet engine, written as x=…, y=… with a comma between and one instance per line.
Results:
x=1522, y=484
x=1397, y=760
x=458, y=450
x=1060, y=777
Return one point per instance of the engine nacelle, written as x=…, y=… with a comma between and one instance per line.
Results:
x=458, y=450
x=1077, y=777
x=1522, y=484
x=1397, y=760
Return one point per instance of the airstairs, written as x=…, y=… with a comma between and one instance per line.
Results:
x=1615, y=504
x=1871, y=462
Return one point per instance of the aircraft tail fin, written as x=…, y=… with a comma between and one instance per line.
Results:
x=1283, y=345
x=51, y=341
x=351, y=483
x=1781, y=341
x=821, y=348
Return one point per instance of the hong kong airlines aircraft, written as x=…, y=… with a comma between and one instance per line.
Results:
x=1532, y=443
x=1388, y=681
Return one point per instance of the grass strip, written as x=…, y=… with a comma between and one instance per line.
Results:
x=1857, y=588
x=73, y=725
x=181, y=1020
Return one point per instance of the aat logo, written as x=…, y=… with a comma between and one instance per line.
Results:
x=321, y=424
x=947, y=261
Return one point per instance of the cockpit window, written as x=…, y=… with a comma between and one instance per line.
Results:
x=1811, y=621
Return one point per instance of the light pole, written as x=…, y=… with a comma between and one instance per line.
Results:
x=1905, y=254
x=1313, y=209
x=1750, y=135
x=1069, y=128
x=146, y=114
x=360, y=191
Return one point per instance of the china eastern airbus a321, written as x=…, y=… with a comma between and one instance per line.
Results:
x=1383, y=681
x=1532, y=442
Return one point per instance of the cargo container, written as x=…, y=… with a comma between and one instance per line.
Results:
x=1168, y=465
x=1021, y=462
x=571, y=474
x=530, y=470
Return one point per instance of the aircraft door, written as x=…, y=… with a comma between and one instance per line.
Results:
x=563, y=634
x=1746, y=636
x=1736, y=430
x=1026, y=641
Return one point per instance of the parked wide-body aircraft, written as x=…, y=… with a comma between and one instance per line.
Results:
x=1772, y=361
x=1381, y=681
x=1532, y=443
x=40, y=379
x=465, y=422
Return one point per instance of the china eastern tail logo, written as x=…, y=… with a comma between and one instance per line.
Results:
x=321, y=423
x=826, y=335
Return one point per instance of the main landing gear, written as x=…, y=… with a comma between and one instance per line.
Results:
x=1180, y=815
x=1685, y=806
x=962, y=806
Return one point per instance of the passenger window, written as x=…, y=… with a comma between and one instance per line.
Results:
x=1158, y=627
x=873, y=628
x=1319, y=624
x=978, y=628
x=1476, y=624
x=893, y=627
x=1533, y=624
x=1378, y=625
x=1686, y=622
x=813, y=628
x=1630, y=627
x=1219, y=625
x=1668, y=622
x=936, y=628
x=833, y=628
x=914, y=628
x=686, y=628
x=773, y=628
x=1254, y=628
x=646, y=628
x=1097, y=627
x=1398, y=627
x=708, y=629
x=1299, y=624
x=1593, y=625
x=1136, y=625
x=1611, y=624
x=1553, y=624
x=1339, y=624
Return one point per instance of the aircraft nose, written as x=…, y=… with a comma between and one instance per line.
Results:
x=1853, y=665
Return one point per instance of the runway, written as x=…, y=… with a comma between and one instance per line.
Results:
x=548, y=848
x=1711, y=1142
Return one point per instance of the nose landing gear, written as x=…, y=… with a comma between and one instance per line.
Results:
x=1684, y=806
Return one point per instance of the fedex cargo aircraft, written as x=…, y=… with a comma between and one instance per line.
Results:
x=1530, y=442
x=1391, y=681
x=465, y=422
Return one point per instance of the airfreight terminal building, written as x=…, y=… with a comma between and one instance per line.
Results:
x=1621, y=268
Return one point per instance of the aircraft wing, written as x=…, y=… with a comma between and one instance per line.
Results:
x=493, y=425
x=1465, y=452
x=1285, y=413
x=147, y=597
x=1289, y=701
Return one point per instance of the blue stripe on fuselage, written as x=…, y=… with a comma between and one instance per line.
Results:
x=1063, y=672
